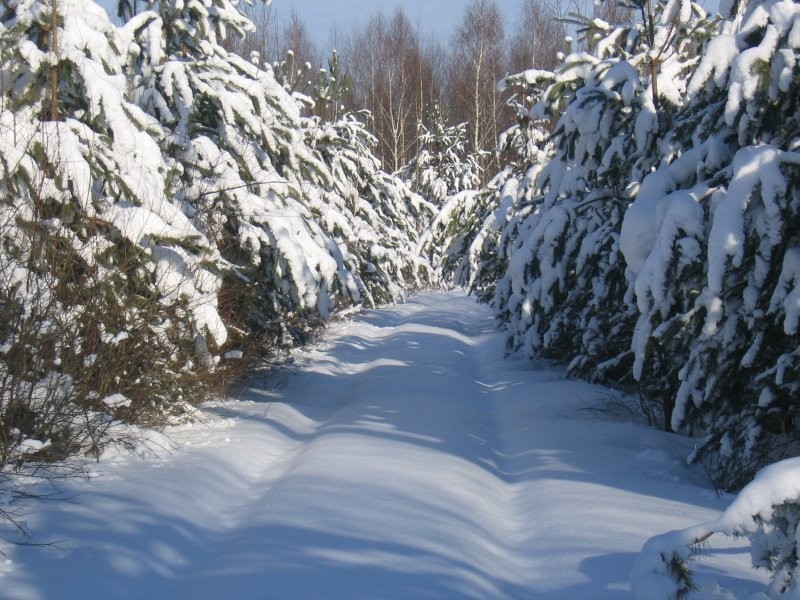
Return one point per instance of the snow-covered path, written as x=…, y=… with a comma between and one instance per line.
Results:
x=405, y=458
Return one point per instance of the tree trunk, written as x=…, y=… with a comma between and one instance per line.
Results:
x=54, y=74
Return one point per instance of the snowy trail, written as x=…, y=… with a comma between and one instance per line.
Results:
x=406, y=458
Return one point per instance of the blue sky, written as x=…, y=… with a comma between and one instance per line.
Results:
x=437, y=17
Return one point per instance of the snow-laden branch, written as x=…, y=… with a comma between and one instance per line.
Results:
x=766, y=512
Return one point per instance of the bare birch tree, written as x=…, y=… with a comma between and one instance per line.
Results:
x=477, y=62
x=262, y=42
x=394, y=78
x=538, y=37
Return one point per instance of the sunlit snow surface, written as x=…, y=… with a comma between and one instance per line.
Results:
x=403, y=457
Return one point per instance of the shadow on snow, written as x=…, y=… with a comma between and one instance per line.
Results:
x=434, y=469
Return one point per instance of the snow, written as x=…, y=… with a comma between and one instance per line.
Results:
x=31, y=446
x=404, y=456
x=773, y=486
x=716, y=62
x=755, y=505
x=753, y=166
x=116, y=401
x=743, y=86
x=640, y=224
x=622, y=73
x=682, y=9
x=787, y=292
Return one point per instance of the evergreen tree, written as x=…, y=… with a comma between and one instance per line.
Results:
x=162, y=200
x=564, y=293
x=383, y=214
x=719, y=286
x=442, y=166
x=88, y=232
x=445, y=240
x=508, y=198
x=244, y=172
x=551, y=224
x=332, y=90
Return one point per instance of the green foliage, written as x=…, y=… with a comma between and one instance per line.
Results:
x=332, y=90
x=644, y=228
x=173, y=206
x=443, y=165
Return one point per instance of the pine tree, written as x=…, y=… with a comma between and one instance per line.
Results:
x=383, y=215
x=442, y=166
x=251, y=168
x=564, y=290
x=86, y=226
x=242, y=168
x=732, y=223
x=508, y=197
x=332, y=90
x=162, y=200
x=552, y=224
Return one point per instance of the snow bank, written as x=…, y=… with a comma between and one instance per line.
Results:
x=759, y=512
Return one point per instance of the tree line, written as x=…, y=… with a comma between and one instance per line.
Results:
x=404, y=78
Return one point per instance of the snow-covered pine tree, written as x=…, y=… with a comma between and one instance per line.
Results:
x=295, y=77
x=445, y=240
x=766, y=513
x=442, y=166
x=250, y=179
x=93, y=321
x=373, y=216
x=384, y=215
x=448, y=175
x=240, y=164
x=331, y=90
x=737, y=319
x=564, y=294
x=131, y=228
x=664, y=238
x=481, y=259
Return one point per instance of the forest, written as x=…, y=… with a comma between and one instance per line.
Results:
x=406, y=82
x=191, y=188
